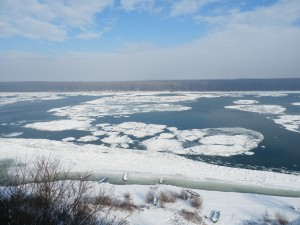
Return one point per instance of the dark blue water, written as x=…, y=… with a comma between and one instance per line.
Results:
x=282, y=147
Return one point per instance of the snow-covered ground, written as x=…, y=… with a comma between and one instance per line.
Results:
x=235, y=208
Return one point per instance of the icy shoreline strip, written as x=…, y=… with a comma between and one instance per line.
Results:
x=185, y=182
x=100, y=158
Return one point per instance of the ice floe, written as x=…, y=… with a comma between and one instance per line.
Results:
x=87, y=138
x=9, y=98
x=290, y=122
x=116, y=139
x=221, y=142
x=166, y=136
x=296, y=103
x=124, y=104
x=13, y=134
x=161, y=144
x=136, y=129
x=189, y=135
x=261, y=109
x=271, y=94
x=224, y=142
x=60, y=125
x=245, y=102
x=68, y=139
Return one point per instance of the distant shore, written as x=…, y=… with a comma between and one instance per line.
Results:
x=282, y=84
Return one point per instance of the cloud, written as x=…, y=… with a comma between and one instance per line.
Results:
x=144, y=5
x=261, y=43
x=184, y=7
x=49, y=19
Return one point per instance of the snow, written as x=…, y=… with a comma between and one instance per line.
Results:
x=100, y=159
x=60, y=125
x=245, y=102
x=290, y=122
x=261, y=109
x=235, y=208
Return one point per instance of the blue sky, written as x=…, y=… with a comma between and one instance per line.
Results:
x=104, y=40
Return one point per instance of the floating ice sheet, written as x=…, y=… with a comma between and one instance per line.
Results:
x=68, y=139
x=261, y=109
x=245, y=102
x=13, y=134
x=60, y=125
x=296, y=103
x=136, y=129
x=9, y=98
x=88, y=138
x=290, y=122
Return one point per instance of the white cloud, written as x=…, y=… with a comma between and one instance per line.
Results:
x=50, y=19
x=184, y=7
x=263, y=42
x=146, y=5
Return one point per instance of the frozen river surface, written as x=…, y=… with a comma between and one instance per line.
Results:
x=249, y=130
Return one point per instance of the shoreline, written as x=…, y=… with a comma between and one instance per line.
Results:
x=136, y=178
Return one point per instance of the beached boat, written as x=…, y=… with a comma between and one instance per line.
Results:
x=161, y=180
x=155, y=200
x=125, y=176
x=103, y=180
x=85, y=176
x=215, y=217
x=193, y=193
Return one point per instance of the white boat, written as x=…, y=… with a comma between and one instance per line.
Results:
x=161, y=180
x=125, y=176
x=193, y=193
x=103, y=180
x=215, y=217
x=85, y=176
x=155, y=200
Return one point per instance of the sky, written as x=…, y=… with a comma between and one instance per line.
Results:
x=120, y=40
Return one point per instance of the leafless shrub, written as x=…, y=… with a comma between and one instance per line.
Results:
x=183, y=194
x=150, y=196
x=127, y=196
x=194, y=217
x=43, y=193
x=196, y=202
x=124, y=205
x=266, y=217
x=281, y=218
x=167, y=197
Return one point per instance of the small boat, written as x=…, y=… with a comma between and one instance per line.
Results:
x=215, y=217
x=103, y=180
x=85, y=176
x=193, y=193
x=155, y=200
x=125, y=176
x=161, y=180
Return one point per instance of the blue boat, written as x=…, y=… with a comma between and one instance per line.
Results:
x=215, y=217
